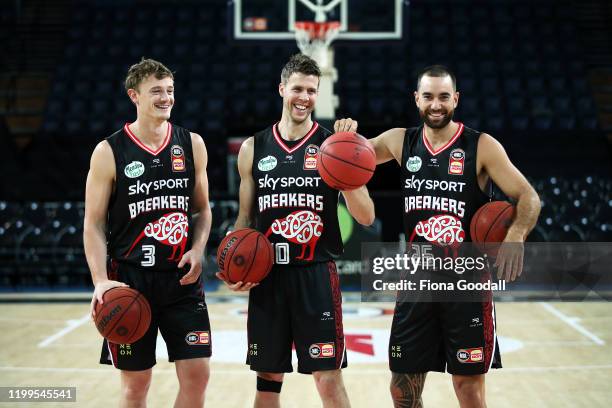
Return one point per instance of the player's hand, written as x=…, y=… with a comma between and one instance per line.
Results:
x=194, y=259
x=509, y=259
x=99, y=291
x=345, y=125
x=238, y=286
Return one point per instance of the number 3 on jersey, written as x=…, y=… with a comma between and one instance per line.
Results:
x=281, y=253
x=148, y=252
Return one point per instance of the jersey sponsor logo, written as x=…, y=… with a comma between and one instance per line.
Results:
x=322, y=350
x=414, y=183
x=178, y=158
x=300, y=227
x=267, y=163
x=470, y=355
x=414, y=163
x=145, y=188
x=444, y=230
x=456, y=161
x=198, y=338
x=134, y=169
x=171, y=230
x=288, y=182
x=310, y=157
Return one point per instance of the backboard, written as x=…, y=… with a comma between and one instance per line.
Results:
x=359, y=19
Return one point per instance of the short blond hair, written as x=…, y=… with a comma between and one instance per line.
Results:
x=145, y=68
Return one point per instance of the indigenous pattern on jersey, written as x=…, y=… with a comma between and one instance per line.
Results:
x=295, y=209
x=149, y=211
x=440, y=188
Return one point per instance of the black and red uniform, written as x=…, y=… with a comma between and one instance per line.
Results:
x=440, y=195
x=299, y=302
x=150, y=227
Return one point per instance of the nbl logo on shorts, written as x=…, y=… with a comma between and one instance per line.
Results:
x=198, y=338
x=322, y=350
x=471, y=355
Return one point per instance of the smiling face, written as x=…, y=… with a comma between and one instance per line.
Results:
x=154, y=98
x=299, y=95
x=436, y=100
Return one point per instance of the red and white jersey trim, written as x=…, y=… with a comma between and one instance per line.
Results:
x=282, y=144
x=132, y=136
x=447, y=145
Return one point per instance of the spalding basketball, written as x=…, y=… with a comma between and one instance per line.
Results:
x=245, y=255
x=490, y=225
x=124, y=317
x=346, y=161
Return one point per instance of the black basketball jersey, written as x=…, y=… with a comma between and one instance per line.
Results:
x=149, y=213
x=440, y=188
x=294, y=208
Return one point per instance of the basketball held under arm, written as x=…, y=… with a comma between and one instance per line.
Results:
x=388, y=145
x=493, y=160
x=247, y=185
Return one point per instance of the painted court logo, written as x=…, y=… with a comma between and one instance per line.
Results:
x=134, y=169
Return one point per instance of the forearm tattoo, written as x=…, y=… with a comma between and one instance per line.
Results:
x=407, y=390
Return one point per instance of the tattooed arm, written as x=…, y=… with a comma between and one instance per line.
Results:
x=406, y=389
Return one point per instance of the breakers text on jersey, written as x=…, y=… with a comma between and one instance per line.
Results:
x=284, y=200
x=163, y=202
x=432, y=202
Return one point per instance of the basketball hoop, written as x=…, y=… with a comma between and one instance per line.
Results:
x=313, y=39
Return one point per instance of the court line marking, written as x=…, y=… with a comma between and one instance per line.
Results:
x=246, y=371
x=71, y=325
x=573, y=323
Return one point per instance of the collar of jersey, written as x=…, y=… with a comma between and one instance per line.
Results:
x=446, y=145
x=282, y=144
x=132, y=136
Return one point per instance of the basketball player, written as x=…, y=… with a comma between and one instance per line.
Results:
x=145, y=182
x=283, y=196
x=437, y=336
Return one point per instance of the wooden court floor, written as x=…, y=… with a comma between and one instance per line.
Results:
x=554, y=354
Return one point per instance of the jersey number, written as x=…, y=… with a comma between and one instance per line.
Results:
x=281, y=253
x=148, y=252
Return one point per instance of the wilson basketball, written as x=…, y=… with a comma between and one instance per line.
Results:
x=490, y=225
x=346, y=161
x=245, y=255
x=124, y=317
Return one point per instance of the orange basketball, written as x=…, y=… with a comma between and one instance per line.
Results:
x=346, y=161
x=245, y=255
x=124, y=317
x=490, y=225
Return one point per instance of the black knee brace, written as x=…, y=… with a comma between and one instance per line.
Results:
x=268, y=385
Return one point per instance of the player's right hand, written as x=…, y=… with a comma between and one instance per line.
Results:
x=345, y=125
x=238, y=286
x=101, y=288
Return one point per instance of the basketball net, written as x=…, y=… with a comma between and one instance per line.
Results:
x=314, y=39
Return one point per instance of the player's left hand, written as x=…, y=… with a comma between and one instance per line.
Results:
x=509, y=259
x=194, y=259
x=345, y=125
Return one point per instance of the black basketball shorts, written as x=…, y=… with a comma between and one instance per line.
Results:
x=179, y=312
x=457, y=336
x=298, y=306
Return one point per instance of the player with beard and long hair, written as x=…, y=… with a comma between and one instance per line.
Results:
x=455, y=336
